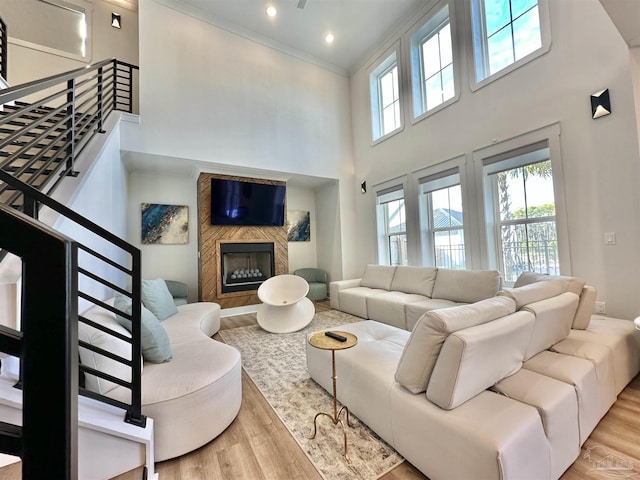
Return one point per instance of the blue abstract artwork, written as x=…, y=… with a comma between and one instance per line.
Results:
x=165, y=224
x=299, y=226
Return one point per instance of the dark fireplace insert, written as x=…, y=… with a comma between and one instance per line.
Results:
x=244, y=266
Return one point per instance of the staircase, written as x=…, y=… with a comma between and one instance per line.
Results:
x=44, y=128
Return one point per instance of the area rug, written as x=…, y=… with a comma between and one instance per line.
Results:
x=277, y=365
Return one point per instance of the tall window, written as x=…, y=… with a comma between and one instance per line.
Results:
x=525, y=214
x=505, y=32
x=432, y=63
x=386, y=111
x=442, y=220
x=392, y=227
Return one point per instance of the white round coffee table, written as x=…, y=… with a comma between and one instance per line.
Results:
x=285, y=307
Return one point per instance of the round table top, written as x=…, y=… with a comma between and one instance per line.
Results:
x=320, y=340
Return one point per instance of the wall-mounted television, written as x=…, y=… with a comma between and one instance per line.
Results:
x=235, y=202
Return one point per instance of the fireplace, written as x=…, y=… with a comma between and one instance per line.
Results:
x=244, y=266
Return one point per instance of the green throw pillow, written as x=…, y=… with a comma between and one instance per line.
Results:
x=157, y=298
x=155, y=341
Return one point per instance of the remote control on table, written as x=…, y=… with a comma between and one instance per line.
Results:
x=340, y=338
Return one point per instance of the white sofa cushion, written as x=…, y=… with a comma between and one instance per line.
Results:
x=571, y=284
x=475, y=358
x=585, y=308
x=553, y=321
x=354, y=300
x=418, y=280
x=389, y=307
x=415, y=310
x=423, y=347
x=378, y=276
x=534, y=292
x=107, y=342
x=466, y=286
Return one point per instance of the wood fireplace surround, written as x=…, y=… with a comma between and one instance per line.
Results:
x=211, y=237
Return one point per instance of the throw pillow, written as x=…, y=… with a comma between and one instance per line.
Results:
x=154, y=340
x=157, y=298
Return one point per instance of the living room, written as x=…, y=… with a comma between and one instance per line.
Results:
x=318, y=127
x=266, y=113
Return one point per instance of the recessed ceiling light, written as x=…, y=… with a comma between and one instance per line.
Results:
x=329, y=38
x=271, y=11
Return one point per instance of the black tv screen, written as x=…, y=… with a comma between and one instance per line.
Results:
x=236, y=202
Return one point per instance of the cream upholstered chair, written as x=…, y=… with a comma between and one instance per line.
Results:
x=317, y=280
x=285, y=307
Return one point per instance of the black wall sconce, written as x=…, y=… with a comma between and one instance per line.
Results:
x=116, y=20
x=363, y=187
x=600, y=103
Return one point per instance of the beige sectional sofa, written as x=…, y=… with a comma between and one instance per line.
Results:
x=508, y=387
x=400, y=295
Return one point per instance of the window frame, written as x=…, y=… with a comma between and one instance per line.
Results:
x=500, y=154
x=81, y=7
x=399, y=187
x=384, y=64
x=478, y=56
x=443, y=170
x=415, y=38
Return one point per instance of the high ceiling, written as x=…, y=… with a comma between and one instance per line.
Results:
x=300, y=26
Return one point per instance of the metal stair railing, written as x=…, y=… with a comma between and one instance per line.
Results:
x=3, y=49
x=44, y=125
x=48, y=348
x=33, y=199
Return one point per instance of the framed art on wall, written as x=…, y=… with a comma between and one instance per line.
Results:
x=298, y=226
x=164, y=224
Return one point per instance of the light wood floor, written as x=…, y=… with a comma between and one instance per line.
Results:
x=258, y=446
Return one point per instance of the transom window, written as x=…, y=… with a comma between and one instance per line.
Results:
x=505, y=32
x=386, y=111
x=442, y=221
x=392, y=227
x=432, y=63
x=525, y=214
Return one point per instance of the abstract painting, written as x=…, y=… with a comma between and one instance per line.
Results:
x=298, y=226
x=165, y=224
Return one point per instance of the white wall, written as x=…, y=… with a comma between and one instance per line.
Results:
x=210, y=95
x=303, y=254
x=600, y=157
x=172, y=262
x=102, y=198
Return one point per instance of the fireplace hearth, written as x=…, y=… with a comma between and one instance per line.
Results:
x=244, y=266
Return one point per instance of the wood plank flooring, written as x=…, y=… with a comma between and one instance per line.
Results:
x=257, y=446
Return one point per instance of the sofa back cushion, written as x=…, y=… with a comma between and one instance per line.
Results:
x=423, y=347
x=466, y=286
x=107, y=342
x=571, y=284
x=418, y=280
x=534, y=292
x=553, y=319
x=475, y=358
x=378, y=276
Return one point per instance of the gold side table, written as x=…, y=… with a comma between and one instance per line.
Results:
x=323, y=342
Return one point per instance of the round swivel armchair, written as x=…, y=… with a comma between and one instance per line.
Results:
x=285, y=307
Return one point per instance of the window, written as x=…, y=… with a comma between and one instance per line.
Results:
x=442, y=221
x=507, y=32
x=392, y=227
x=54, y=26
x=524, y=213
x=432, y=63
x=386, y=111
